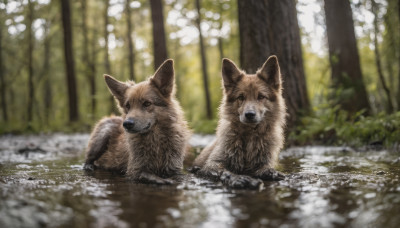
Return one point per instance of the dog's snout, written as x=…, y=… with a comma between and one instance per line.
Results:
x=250, y=115
x=129, y=124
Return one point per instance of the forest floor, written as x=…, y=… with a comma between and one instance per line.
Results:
x=42, y=183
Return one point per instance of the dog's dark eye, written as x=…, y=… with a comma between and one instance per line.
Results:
x=127, y=106
x=146, y=103
x=260, y=97
x=240, y=98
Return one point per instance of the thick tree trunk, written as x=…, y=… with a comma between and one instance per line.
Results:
x=29, y=22
x=270, y=27
x=88, y=60
x=129, y=29
x=343, y=56
x=254, y=42
x=390, y=108
x=69, y=61
x=159, y=41
x=2, y=81
x=204, y=63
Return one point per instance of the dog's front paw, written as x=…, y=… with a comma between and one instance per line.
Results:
x=153, y=179
x=209, y=174
x=194, y=169
x=240, y=181
x=164, y=181
x=271, y=175
x=88, y=166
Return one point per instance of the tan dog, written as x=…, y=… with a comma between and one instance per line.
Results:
x=148, y=141
x=250, y=129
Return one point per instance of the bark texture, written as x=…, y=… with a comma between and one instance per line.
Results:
x=69, y=61
x=343, y=56
x=267, y=28
x=159, y=41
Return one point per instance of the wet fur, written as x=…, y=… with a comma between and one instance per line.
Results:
x=242, y=149
x=152, y=155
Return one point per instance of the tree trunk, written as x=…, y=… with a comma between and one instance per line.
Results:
x=390, y=108
x=203, y=63
x=2, y=81
x=106, y=34
x=254, y=45
x=107, y=64
x=159, y=41
x=220, y=40
x=46, y=65
x=29, y=22
x=130, y=42
x=267, y=28
x=398, y=89
x=343, y=56
x=92, y=78
x=69, y=61
x=88, y=60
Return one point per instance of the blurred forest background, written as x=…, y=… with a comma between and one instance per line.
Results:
x=340, y=60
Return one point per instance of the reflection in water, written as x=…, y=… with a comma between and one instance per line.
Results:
x=325, y=187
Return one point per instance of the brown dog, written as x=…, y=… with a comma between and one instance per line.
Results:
x=149, y=139
x=250, y=129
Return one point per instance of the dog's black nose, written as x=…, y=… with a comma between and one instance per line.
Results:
x=128, y=124
x=250, y=115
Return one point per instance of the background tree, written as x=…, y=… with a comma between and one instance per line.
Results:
x=129, y=30
x=107, y=63
x=203, y=62
x=48, y=94
x=343, y=56
x=89, y=59
x=69, y=61
x=270, y=28
x=266, y=28
x=374, y=7
x=30, y=40
x=159, y=41
x=398, y=89
x=2, y=69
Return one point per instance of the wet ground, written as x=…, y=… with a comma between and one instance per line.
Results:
x=42, y=184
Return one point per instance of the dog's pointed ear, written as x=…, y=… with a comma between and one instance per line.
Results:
x=163, y=79
x=116, y=88
x=270, y=72
x=230, y=73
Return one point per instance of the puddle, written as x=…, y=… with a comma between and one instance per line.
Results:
x=326, y=187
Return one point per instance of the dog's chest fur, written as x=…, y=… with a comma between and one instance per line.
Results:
x=159, y=152
x=245, y=152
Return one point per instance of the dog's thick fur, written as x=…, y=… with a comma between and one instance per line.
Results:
x=250, y=129
x=148, y=141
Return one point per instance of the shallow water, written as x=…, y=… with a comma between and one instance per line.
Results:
x=44, y=185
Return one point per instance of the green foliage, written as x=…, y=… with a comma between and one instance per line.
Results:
x=204, y=126
x=331, y=125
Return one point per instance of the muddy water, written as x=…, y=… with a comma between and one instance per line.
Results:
x=42, y=184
